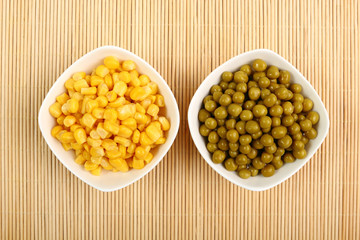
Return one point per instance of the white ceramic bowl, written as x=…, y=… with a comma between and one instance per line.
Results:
x=258, y=183
x=107, y=181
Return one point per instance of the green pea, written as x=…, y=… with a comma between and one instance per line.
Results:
x=225, y=100
x=265, y=122
x=267, y=140
x=213, y=137
x=245, y=149
x=264, y=82
x=295, y=88
x=300, y=154
x=245, y=139
x=211, y=123
x=215, y=88
x=207, y=98
x=259, y=65
x=253, y=171
x=216, y=96
x=240, y=77
x=220, y=113
x=252, y=84
x=254, y=93
x=232, y=135
x=204, y=131
x=218, y=156
x=268, y=170
x=305, y=125
x=271, y=149
x=241, y=87
x=275, y=121
x=270, y=100
x=264, y=93
x=281, y=93
x=234, y=109
x=227, y=76
x=311, y=134
x=211, y=147
x=252, y=127
x=284, y=77
x=294, y=129
x=232, y=85
x=252, y=154
x=248, y=105
x=257, y=163
x=238, y=97
x=285, y=142
x=203, y=115
x=221, y=131
x=223, y=145
x=246, y=115
x=230, y=164
x=259, y=110
x=266, y=157
x=307, y=105
x=230, y=124
x=246, y=69
x=258, y=75
x=257, y=144
x=288, y=108
x=223, y=85
x=297, y=97
x=272, y=72
x=276, y=111
x=210, y=105
x=244, y=173
x=229, y=92
x=288, y=157
x=279, y=152
x=279, y=132
x=313, y=117
x=234, y=146
x=242, y=159
x=256, y=135
x=287, y=121
x=240, y=127
x=277, y=162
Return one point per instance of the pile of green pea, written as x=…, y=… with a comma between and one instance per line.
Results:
x=256, y=120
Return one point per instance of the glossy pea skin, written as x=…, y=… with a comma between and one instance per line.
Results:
x=207, y=98
x=211, y=123
x=244, y=173
x=294, y=129
x=272, y=72
x=230, y=164
x=203, y=115
x=213, y=137
x=223, y=85
x=264, y=82
x=295, y=88
x=277, y=162
x=211, y=147
x=245, y=139
x=221, y=131
x=275, y=121
x=225, y=100
x=268, y=170
x=232, y=136
x=252, y=84
x=267, y=140
x=232, y=153
x=305, y=125
x=254, y=93
x=232, y=85
x=287, y=121
x=259, y=65
x=216, y=96
x=204, y=131
x=240, y=77
x=230, y=124
x=264, y=93
x=227, y=76
x=288, y=108
x=238, y=97
x=234, y=109
x=241, y=87
x=256, y=144
x=307, y=105
x=288, y=158
x=276, y=111
x=253, y=171
x=229, y=92
x=242, y=159
x=270, y=100
x=252, y=127
x=259, y=110
x=297, y=97
x=257, y=163
x=218, y=156
x=266, y=157
x=245, y=149
x=279, y=151
x=210, y=105
x=246, y=69
x=246, y=115
x=252, y=154
x=279, y=132
x=311, y=134
x=299, y=154
x=271, y=149
x=257, y=135
x=215, y=88
x=285, y=142
x=240, y=127
x=234, y=146
x=220, y=122
x=313, y=117
x=298, y=145
x=258, y=75
x=249, y=104
x=220, y=113
x=281, y=93
x=265, y=122
x=284, y=77
x=298, y=107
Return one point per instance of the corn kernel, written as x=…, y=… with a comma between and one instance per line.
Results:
x=59, y=134
x=149, y=157
x=128, y=91
x=56, y=130
x=124, y=131
x=98, y=113
x=144, y=80
x=94, y=134
x=105, y=164
x=72, y=105
x=88, y=79
x=109, y=145
x=90, y=166
x=120, y=164
x=120, y=88
x=97, y=152
x=66, y=146
x=146, y=103
x=161, y=140
x=96, y=160
x=165, y=124
x=69, y=121
x=83, y=105
x=103, y=89
x=136, y=136
x=111, y=71
x=128, y=65
x=141, y=127
x=102, y=132
x=78, y=96
x=94, y=142
x=110, y=114
x=140, y=118
x=122, y=150
x=111, y=127
x=123, y=112
x=78, y=76
x=108, y=81
x=113, y=154
x=145, y=140
x=154, y=87
x=134, y=73
x=111, y=62
x=160, y=100
x=123, y=141
x=96, y=81
x=60, y=120
x=88, y=120
x=62, y=98
x=140, y=152
x=91, y=105
x=115, y=77
x=153, y=110
x=102, y=100
x=55, y=110
x=69, y=84
x=86, y=146
x=71, y=93
x=96, y=171
x=125, y=77
x=76, y=146
x=148, y=121
x=88, y=130
x=137, y=93
x=140, y=108
x=80, y=159
x=88, y=90
x=130, y=123
x=153, y=132
x=79, y=151
x=138, y=163
x=135, y=82
x=111, y=96
x=117, y=103
x=101, y=71
x=129, y=162
x=78, y=85
x=74, y=127
x=80, y=135
x=67, y=137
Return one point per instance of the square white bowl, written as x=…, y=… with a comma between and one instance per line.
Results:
x=107, y=181
x=257, y=183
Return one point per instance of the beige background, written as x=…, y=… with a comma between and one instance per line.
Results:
x=182, y=197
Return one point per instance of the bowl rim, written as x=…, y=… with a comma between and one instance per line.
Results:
x=174, y=124
x=193, y=117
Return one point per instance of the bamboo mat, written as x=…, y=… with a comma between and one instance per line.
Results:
x=182, y=198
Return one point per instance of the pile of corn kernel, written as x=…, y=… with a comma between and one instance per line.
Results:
x=110, y=118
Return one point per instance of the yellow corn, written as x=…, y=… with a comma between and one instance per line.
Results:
x=88, y=130
x=69, y=121
x=96, y=81
x=117, y=103
x=60, y=120
x=90, y=166
x=74, y=127
x=136, y=136
x=140, y=152
x=72, y=105
x=115, y=77
x=78, y=76
x=111, y=71
x=138, y=163
x=165, y=124
x=86, y=146
x=135, y=82
x=91, y=105
x=153, y=132
x=103, y=89
x=96, y=171
x=144, y=80
x=130, y=123
x=101, y=131
x=124, y=131
x=66, y=146
x=56, y=130
x=123, y=112
x=122, y=141
x=80, y=135
x=88, y=90
x=101, y=71
x=129, y=162
x=78, y=96
x=67, y=137
x=109, y=145
x=153, y=110
x=141, y=127
x=148, y=121
x=105, y=164
x=88, y=79
x=108, y=81
x=134, y=73
x=59, y=134
x=94, y=134
x=120, y=88
x=102, y=100
x=140, y=108
x=111, y=62
x=110, y=114
x=137, y=93
x=128, y=65
x=124, y=76
x=88, y=120
x=160, y=100
x=76, y=146
x=69, y=84
x=78, y=151
x=148, y=157
x=146, y=103
x=62, y=98
x=120, y=164
x=113, y=154
x=96, y=160
x=111, y=96
x=55, y=110
x=122, y=150
x=97, y=151
x=161, y=140
x=140, y=118
x=83, y=105
x=154, y=87
x=80, y=159
x=111, y=127
x=98, y=113
x=78, y=85
x=129, y=155
x=145, y=140
x=128, y=91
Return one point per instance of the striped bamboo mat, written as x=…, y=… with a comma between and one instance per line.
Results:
x=182, y=198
